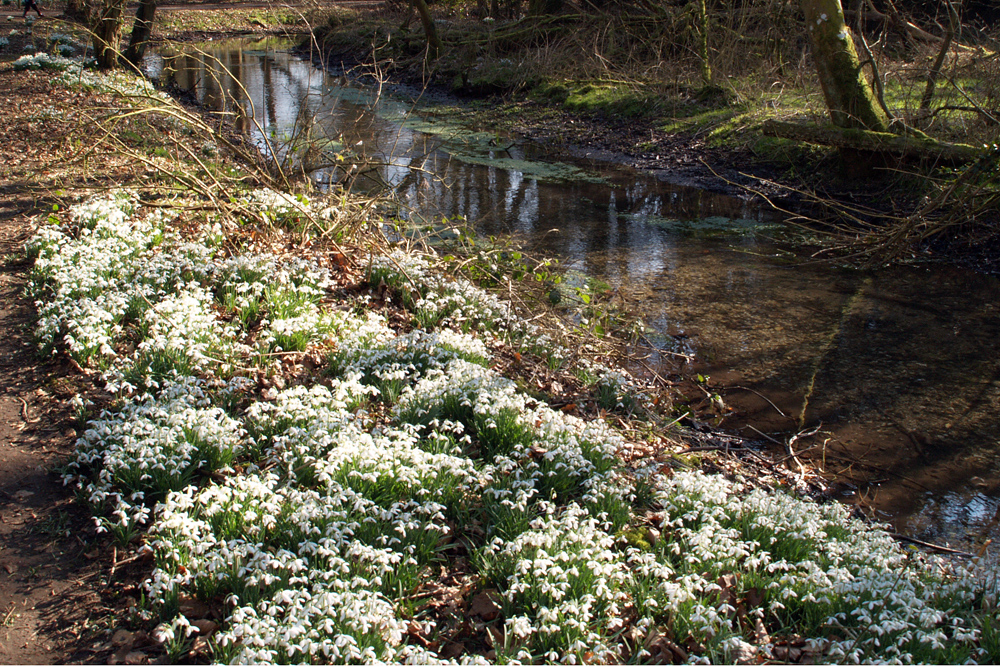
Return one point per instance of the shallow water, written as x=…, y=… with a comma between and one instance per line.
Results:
x=901, y=367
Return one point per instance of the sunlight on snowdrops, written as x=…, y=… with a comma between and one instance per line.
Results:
x=317, y=514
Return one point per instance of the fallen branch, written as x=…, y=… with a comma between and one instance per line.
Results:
x=929, y=545
x=874, y=142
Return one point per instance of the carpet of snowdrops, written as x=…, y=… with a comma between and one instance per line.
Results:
x=310, y=516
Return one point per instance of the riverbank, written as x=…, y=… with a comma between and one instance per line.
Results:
x=598, y=85
x=360, y=349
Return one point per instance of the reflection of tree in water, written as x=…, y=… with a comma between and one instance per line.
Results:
x=861, y=354
x=920, y=358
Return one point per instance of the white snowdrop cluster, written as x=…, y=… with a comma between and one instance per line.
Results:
x=437, y=300
x=817, y=569
x=566, y=586
x=306, y=572
x=42, y=60
x=317, y=512
x=152, y=446
x=281, y=297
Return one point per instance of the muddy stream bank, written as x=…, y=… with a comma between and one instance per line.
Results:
x=898, y=368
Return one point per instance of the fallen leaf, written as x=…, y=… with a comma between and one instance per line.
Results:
x=536, y=452
x=663, y=651
x=727, y=595
x=205, y=626
x=416, y=632
x=122, y=637
x=485, y=606
x=135, y=658
x=193, y=608
x=199, y=647
x=744, y=653
x=452, y=650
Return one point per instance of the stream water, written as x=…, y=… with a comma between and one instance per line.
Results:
x=900, y=366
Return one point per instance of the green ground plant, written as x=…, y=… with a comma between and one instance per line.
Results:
x=312, y=507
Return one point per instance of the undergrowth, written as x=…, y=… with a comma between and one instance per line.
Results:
x=308, y=519
x=305, y=446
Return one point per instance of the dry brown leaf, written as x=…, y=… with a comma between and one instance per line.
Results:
x=205, y=626
x=485, y=605
x=452, y=650
x=122, y=637
x=662, y=650
x=193, y=608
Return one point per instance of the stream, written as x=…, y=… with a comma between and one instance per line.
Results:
x=900, y=367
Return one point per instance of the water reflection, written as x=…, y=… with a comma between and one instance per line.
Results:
x=901, y=367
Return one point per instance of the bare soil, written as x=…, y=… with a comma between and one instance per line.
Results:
x=63, y=592
x=43, y=574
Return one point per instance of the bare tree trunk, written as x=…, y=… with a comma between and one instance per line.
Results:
x=434, y=44
x=141, y=30
x=108, y=33
x=848, y=95
x=706, y=69
x=79, y=10
x=954, y=25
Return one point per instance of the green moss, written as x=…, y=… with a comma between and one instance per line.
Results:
x=639, y=537
x=712, y=227
x=613, y=100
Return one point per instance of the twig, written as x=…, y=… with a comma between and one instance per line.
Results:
x=754, y=391
x=681, y=355
x=929, y=545
x=765, y=435
x=710, y=448
x=985, y=114
x=795, y=438
x=24, y=412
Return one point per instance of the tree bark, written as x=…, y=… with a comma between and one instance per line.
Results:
x=79, y=10
x=706, y=69
x=434, y=44
x=873, y=142
x=848, y=95
x=108, y=33
x=141, y=30
x=954, y=25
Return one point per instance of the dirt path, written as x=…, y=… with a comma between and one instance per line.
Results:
x=46, y=582
x=56, y=597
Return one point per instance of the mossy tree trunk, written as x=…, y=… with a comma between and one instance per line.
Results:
x=701, y=8
x=849, y=96
x=108, y=33
x=434, y=44
x=141, y=31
